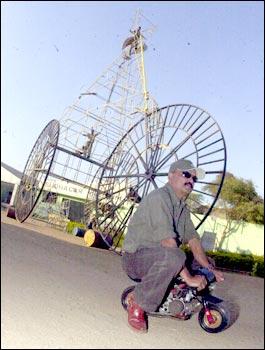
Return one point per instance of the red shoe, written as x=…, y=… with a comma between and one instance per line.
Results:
x=136, y=315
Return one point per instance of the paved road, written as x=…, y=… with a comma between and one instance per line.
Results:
x=59, y=295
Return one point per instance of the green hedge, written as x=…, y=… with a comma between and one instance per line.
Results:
x=120, y=243
x=72, y=224
x=251, y=264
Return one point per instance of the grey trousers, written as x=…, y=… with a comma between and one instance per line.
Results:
x=155, y=267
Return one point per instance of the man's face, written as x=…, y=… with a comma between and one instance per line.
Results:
x=181, y=184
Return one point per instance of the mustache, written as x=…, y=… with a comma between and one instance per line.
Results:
x=189, y=183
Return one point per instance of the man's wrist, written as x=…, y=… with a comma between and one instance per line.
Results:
x=210, y=267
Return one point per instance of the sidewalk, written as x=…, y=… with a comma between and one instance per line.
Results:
x=43, y=228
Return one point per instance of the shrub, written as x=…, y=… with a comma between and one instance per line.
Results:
x=258, y=267
x=232, y=261
x=118, y=240
x=252, y=264
x=72, y=224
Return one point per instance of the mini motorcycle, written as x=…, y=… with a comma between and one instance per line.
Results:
x=182, y=301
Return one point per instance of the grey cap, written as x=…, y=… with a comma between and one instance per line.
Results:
x=185, y=164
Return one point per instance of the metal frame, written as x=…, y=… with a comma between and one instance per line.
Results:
x=116, y=142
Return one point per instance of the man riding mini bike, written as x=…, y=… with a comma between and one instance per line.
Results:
x=182, y=301
x=151, y=248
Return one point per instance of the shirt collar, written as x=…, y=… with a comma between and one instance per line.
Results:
x=175, y=200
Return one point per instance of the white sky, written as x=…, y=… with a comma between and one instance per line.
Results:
x=210, y=54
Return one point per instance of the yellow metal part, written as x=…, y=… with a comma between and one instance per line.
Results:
x=28, y=187
x=143, y=75
x=89, y=237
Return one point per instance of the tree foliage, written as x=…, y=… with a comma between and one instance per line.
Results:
x=239, y=200
x=194, y=202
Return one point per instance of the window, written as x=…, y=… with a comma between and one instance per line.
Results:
x=76, y=211
x=49, y=197
x=6, y=192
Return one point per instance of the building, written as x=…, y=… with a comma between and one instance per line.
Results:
x=57, y=195
x=10, y=179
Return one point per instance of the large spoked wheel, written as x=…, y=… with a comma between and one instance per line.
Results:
x=141, y=160
x=36, y=170
x=218, y=322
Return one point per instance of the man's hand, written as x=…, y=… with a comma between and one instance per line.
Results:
x=197, y=281
x=211, y=267
x=218, y=275
x=193, y=281
x=203, y=260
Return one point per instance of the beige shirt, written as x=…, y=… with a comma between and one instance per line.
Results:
x=160, y=215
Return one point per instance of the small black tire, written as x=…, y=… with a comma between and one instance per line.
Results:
x=124, y=296
x=220, y=315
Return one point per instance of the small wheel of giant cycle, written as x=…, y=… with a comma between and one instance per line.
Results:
x=220, y=319
x=124, y=296
x=36, y=171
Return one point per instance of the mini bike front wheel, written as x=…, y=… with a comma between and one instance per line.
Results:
x=218, y=322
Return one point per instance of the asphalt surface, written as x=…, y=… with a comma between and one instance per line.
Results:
x=59, y=294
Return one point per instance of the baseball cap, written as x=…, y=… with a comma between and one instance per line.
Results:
x=185, y=164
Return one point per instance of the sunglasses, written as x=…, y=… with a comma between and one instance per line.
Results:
x=188, y=176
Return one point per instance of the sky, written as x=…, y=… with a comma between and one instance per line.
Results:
x=210, y=54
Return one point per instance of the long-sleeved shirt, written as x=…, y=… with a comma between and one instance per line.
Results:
x=160, y=215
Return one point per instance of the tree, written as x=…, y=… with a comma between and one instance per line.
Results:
x=194, y=202
x=240, y=203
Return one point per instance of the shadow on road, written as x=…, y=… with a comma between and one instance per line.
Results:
x=233, y=308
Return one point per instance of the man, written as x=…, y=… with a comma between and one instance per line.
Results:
x=87, y=148
x=151, y=247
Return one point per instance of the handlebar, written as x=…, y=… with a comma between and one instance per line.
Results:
x=209, y=275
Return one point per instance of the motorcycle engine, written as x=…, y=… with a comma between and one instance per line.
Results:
x=180, y=301
x=176, y=307
x=175, y=302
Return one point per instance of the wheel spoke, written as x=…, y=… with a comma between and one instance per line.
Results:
x=138, y=153
x=123, y=176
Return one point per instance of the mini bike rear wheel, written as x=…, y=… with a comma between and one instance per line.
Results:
x=124, y=295
x=220, y=317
